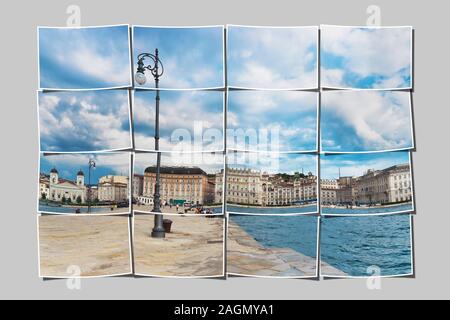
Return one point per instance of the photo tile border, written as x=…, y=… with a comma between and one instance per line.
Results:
x=222, y=276
x=130, y=167
x=218, y=154
x=130, y=121
x=277, y=155
x=127, y=86
x=313, y=88
x=130, y=246
x=411, y=275
x=279, y=152
x=317, y=250
x=411, y=211
x=214, y=88
x=145, y=150
x=412, y=58
x=411, y=115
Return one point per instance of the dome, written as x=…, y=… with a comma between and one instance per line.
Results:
x=80, y=173
x=54, y=171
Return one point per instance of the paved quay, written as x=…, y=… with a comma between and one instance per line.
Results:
x=98, y=245
x=194, y=248
x=246, y=256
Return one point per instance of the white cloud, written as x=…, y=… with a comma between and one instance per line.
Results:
x=272, y=57
x=368, y=52
x=83, y=121
x=381, y=120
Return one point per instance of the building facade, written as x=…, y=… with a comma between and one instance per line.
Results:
x=388, y=186
x=180, y=185
x=54, y=188
x=113, y=189
x=391, y=185
x=256, y=188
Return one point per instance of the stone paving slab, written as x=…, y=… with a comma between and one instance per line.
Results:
x=98, y=245
x=194, y=248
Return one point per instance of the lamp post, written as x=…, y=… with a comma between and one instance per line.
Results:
x=91, y=166
x=156, y=68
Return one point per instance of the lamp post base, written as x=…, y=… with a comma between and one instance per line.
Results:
x=158, y=229
x=160, y=234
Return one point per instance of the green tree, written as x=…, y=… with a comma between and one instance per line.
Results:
x=79, y=199
x=43, y=196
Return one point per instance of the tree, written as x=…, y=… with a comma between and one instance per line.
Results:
x=69, y=200
x=63, y=200
x=79, y=199
x=43, y=196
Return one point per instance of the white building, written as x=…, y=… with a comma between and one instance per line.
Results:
x=391, y=185
x=62, y=190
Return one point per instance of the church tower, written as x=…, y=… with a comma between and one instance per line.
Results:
x=80, y=178
x=54, y=176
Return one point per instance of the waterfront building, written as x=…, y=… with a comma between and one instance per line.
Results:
x=347, y=193
x=180, y=185
x=256, y=188
x=113, y=189
x=391, y=185
x=244, y=186
x=328, y=195
x=54, y=188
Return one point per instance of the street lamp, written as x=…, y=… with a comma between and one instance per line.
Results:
x=156, y=68
x=91, y=166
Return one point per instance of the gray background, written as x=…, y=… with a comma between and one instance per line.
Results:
x=19, y=261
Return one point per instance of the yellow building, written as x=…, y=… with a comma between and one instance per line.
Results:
x=180, y=185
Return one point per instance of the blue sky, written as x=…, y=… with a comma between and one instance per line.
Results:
x=84, y=121
x=272, y=58
x=366, y=58
x=210, y=162
x=355, y=121
x=180, y=113
x=192, y=57
x=290, y=118
x=84, y=58
x=357, y=164
x=273, y=163
x=68, y=165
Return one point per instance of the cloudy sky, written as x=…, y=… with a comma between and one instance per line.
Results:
x=84, y=58
x=272, y=121
x=353, y=121
x=357, y=164
x=192, y=57
x=272, y=58
x=366, y=58
x=210, y=162
x=189, y=120
x=273, y=163
x=68, y=165
x=84, y=121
